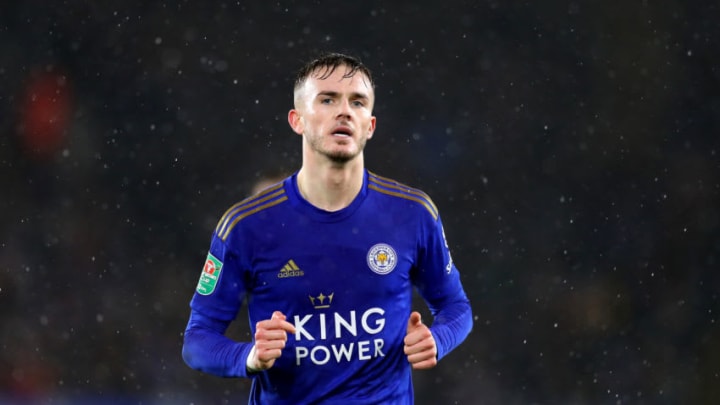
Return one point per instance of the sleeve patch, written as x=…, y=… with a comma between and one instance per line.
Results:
x=210, y=275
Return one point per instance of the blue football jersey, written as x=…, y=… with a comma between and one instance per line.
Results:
x=345, y=280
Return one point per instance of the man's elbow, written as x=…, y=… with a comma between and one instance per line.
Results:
x=188, y=354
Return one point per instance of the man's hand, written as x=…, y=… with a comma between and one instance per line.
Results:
x=420, y=347
x=270, y=339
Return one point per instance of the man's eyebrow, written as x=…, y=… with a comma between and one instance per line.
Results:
x=328, y=93
x=354, y=95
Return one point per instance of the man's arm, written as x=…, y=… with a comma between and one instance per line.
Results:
x=452, y=322
x=425, y=346
x=207, y=349
x=438, y=281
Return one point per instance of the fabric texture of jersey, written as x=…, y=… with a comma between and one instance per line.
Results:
x=344, y=279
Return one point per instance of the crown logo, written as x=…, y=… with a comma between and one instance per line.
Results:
x=321, y=301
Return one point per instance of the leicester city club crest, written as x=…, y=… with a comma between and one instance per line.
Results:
x=382, y=258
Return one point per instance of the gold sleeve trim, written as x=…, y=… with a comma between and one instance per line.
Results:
x=392, y=184
x=428, y=205
x=223, y=235
x=265, y=195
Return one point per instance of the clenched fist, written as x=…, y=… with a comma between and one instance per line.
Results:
x=420, y=346
x=270, y=340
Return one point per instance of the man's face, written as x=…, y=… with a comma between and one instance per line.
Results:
x=334, y=114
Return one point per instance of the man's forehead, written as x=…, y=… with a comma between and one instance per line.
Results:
x=343, y=74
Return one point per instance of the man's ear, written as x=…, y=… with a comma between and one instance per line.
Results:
x=371, y=129
x=296, y=121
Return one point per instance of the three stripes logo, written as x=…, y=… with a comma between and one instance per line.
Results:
x=290, y=270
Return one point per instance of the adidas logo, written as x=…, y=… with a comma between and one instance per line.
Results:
x=290, y=270
x=321, y=301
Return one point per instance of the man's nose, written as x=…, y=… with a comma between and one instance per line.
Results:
x=344, y=109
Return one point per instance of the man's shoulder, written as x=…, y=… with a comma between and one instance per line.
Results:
x=263, y=200
x=397, y=190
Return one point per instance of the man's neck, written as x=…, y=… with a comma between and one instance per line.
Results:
x=331, y=187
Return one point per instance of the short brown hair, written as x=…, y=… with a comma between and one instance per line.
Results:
x=327, y=63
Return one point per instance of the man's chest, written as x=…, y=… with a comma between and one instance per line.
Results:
x=315, y=267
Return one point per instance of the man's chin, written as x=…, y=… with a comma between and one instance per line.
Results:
x=341, y=156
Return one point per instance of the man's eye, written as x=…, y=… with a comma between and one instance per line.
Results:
x=326, y=100
x=358, y=103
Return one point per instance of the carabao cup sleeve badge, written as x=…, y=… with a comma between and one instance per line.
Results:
x=381, y=258
x=210, y=275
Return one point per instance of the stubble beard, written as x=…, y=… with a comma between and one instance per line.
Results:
x=336, y=156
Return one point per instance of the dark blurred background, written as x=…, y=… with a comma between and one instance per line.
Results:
x=572, y=148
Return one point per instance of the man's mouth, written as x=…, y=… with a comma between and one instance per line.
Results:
x=342, y=132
